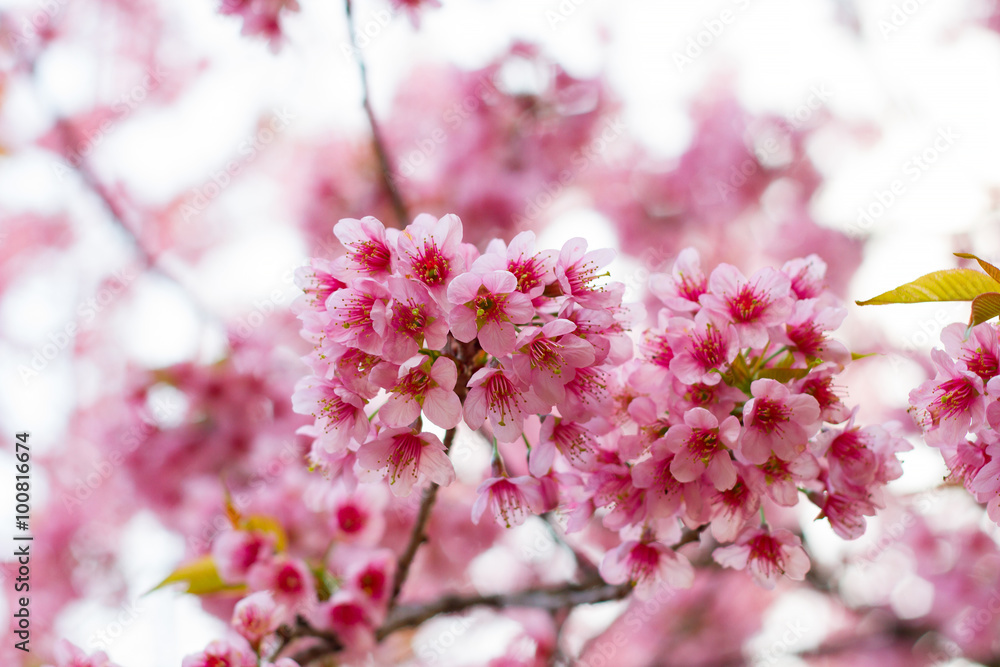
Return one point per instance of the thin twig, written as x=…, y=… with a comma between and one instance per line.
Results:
x=419, y=534
x=377, y=139
x=119, y=217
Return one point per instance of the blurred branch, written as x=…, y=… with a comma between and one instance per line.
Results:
x=377, y=139
x=552, y=599
x=120, y=218
x=408, y=616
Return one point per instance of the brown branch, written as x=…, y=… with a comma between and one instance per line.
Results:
x=377, y=139
x=70, y=137
x=552, y=599
x=419, y=534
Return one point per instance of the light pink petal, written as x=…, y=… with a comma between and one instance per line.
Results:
x=436, y=465
x=541, y=457
x=399, y=411
x=734, y=556
x=518, y=308
x=463, y=323
x=443, y=407
x=496, y=338
x=475, y=407
x=464, y=288
x=444, y=372
x=721, y=471
x=499, y=282
x=725, y=279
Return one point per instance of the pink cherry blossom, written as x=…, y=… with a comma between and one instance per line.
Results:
x=404, y=457
x=751, y=304
x=702, y=445
x=256, y=616
x=420, y=385
x=68, y=655
x=578, y=271
x=980, y=351
x=533, y=269
x=783, y=478
x=577, y=445
x=351, y=311
x=317, y=282
x=702, y=349
x=495, y=393
x=223, y=653
x=371, y=577
x=807, y=276
x=775, y=420
x=766, y=554
x=510, y=499
x=488, y=306
x=235, y=551
x=682, y=288
x=806, y=330
x=852, y=461
x=951, y=404
x=348, y=617
x=647, y=563
x=846, y=513
x=409, y=320
x=368, y=251
x=288, y=579
x=430, y=251
x=547, y=357
x=340, y=415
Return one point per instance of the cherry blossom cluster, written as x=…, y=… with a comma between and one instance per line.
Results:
x=454, y=336
x=730, y=409
x=961, y=400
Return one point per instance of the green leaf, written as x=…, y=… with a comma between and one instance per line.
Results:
x=201, y=577
x=739, y=373
x=857, y=355
x=783, y=374
x=947, y=285
x=993, y=271
x=266, y=524
x=984, y=307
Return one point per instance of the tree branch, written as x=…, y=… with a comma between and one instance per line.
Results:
x=419, y=534
x=377, y=139
x=570, y=595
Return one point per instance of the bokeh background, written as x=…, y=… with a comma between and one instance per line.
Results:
x=165, y=166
